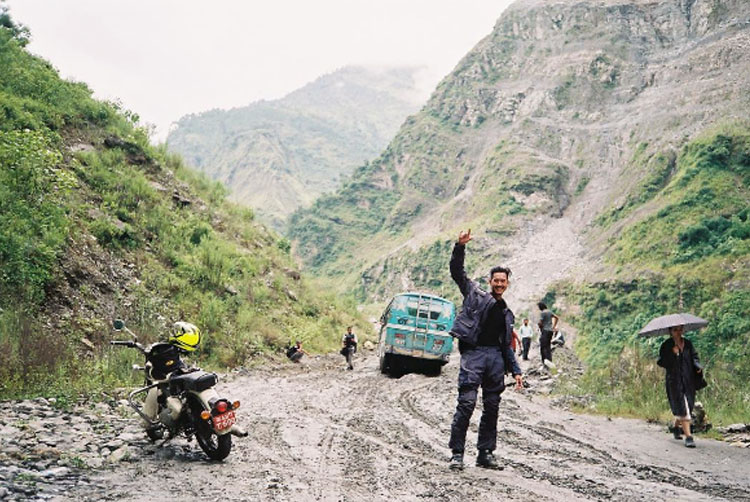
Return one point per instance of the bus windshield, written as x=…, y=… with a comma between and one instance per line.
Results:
x=422, y=308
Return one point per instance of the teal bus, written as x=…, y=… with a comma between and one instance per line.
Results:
x=414, y=332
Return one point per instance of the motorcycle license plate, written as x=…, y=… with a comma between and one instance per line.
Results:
x=224, y=420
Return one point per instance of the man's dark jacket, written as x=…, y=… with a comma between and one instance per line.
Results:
x=474, y=310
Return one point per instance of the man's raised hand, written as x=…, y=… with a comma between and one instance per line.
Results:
x=464, y=237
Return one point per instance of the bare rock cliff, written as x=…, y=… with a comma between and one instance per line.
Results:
x=534, y=133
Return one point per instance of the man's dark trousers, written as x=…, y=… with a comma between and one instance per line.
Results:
x=526, y=346
x=545, y=345
x=480, y=366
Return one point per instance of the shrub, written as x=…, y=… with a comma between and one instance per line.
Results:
x=33, y=224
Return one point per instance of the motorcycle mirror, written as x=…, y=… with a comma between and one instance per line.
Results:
x=118, y=324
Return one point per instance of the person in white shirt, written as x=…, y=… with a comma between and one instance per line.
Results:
x=526, y=332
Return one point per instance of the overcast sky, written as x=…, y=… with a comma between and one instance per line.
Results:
x=167, y=58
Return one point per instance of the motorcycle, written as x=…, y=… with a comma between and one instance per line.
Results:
x=181, y=399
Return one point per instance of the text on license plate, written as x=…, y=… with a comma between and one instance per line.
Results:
x=224, y=420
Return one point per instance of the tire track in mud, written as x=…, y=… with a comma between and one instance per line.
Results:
x=571, y=451
x=508, y=437
x=325, y=445
x=322, y=433
x=622, y=469
x=646, y=472
x=408, y=402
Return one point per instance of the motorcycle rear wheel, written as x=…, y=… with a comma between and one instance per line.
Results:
x=215, y=446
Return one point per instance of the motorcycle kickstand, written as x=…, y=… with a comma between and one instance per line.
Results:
x=166, y=439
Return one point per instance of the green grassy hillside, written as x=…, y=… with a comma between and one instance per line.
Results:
x=686, y=250
x=96, y=223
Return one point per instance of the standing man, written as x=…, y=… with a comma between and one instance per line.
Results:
x=349, y=346
x=547, y=325
x=483, y=328
x=526, y=333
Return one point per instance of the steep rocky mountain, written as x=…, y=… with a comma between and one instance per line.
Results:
x=601, y=149
x=561, y=114
x=279, y=155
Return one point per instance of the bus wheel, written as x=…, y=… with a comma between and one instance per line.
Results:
x=430, y=368
x=385, y=363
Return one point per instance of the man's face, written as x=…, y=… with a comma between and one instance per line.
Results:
x=525, y=322
x=499, y=283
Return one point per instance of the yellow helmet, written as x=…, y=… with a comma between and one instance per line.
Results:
x=185, y=336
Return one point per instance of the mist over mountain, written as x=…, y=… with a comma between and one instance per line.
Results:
x=279, y=155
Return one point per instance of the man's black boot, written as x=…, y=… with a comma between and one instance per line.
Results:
x=457, y=461
x=486, y=459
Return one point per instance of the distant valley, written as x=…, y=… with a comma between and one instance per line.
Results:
x=277, y=156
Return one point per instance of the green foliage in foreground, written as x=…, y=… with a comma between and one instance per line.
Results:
x=692, y=255
x=632, y=385
x=120, y=228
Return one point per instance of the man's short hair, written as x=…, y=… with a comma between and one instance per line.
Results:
x=499, y=269
x=542, y=306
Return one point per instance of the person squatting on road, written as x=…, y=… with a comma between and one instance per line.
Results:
x=547, y=326
x=295, y=352
x=483, y=329
x=678, y=356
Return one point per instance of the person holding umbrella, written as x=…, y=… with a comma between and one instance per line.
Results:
x=683, y=368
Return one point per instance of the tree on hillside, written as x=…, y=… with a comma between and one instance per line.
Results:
x=18, y=31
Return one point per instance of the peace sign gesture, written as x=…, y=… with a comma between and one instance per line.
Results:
x=464, y=237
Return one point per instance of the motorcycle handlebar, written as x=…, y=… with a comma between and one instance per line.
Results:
x=128, y=343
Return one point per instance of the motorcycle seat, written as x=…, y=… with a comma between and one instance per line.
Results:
x=196, y=381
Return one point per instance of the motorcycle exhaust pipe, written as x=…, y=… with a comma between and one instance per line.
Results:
x=238, y=431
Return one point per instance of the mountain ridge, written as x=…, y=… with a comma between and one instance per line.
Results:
x=599, y=149
x=558, y=97
x=279, y=155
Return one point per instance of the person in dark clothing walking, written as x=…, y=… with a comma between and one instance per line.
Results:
x=678, y=356
x=349, y=346
x=483, y=329
x=547, y=326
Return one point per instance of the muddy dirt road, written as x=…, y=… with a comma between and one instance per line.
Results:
x=319, y=432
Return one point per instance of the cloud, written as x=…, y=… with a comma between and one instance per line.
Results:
x=167, y=58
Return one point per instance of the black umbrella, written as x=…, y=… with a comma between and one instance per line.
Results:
x=661, y=325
